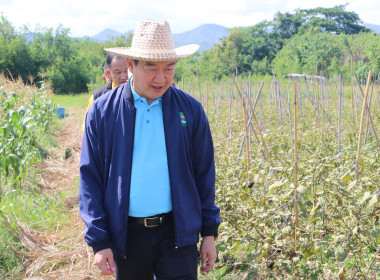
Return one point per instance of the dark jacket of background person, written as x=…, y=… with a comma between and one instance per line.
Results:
x=100, y=91
x=105, y=173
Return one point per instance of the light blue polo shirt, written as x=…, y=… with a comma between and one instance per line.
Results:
x=150, y=186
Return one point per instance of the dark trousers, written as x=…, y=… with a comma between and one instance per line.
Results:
x=151, y=251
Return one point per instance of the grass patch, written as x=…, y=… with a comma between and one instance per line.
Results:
x=32, y=209
x=25, y=205
x=71, y=100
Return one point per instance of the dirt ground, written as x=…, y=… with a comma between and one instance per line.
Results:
x=61, y=168
x=62, y=254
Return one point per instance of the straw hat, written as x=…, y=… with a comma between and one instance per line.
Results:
x=153, y=41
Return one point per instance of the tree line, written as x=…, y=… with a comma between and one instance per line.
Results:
x=322, y=41
x=68, y=64
x=313, y=41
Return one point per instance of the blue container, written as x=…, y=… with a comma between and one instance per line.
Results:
x=60, y=112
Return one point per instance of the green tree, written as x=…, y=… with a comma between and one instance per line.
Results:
x=253, y=49
x=57, y=57
x=120, y=41
x=15, y=59
x=305, y=53
x=336, y=20
x=364, y=49
x=187, y=67
x=286, y=25
x=94, y=57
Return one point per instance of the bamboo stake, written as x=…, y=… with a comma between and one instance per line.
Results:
x=245, y=126
x=275, y=100
x=230, y=113
x=263, y=140
x=217, y=110
x=207, y=97
x=369, y=114
x=322, y=103
x=361, y=125
x=340, y=117
x=369, y=102
x=199, y=86
x=327, y=102
x=295, y=169
x=247, y=141
x=258, y=126
x=290, y=118
x=316, y=107
x=300, y=99
x=352, y=88
x=250, y=122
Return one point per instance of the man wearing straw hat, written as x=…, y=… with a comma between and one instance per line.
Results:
x=147, y=175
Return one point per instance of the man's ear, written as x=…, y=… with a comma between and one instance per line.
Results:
x=107, y=73
x=130, y=65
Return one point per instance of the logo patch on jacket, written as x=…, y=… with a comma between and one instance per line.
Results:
x=183, y=119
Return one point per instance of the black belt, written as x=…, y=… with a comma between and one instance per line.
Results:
x=152, y=221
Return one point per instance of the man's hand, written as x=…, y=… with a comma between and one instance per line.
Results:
x=208, y=253
x=104, y=261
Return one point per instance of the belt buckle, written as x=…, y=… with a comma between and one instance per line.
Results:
x=146, y=223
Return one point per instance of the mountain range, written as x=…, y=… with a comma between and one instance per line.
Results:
x=374, y=27
x=205, y=35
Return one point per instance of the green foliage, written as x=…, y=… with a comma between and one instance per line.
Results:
x=365, y=50
x=121, y=41
x=259, y=48
x=75, y=66
x=329, y=53
x=23, y=116
x=339, y=216
x=67, y=64
x=304, y=53
x=71, y=100
x=58, y=58
x=26, y=117
x=187, y=67
x=15, y=58
x=334, y=20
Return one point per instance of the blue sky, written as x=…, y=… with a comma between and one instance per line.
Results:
x=89, y=17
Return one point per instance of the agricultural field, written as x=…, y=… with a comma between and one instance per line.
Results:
x=336, y=204
x=316, y=217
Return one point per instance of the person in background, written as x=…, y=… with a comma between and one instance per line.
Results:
x=115, y=74
x=147, y=171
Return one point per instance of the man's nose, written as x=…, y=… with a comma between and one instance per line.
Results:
x=124, y=76
x=159, y=77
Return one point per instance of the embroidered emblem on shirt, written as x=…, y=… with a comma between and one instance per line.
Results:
x=183, y=119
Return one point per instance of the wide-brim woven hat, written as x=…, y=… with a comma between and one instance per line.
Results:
x=153, y=41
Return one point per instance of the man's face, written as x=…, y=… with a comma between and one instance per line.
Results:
x=152, y=79
x=118, y=71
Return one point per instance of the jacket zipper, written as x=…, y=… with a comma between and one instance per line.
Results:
x=170, y=178
x=130, y=177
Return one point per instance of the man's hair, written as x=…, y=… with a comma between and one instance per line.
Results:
x=109, y=59
x=105, y=66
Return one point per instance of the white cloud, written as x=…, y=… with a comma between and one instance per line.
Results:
x=88, y=17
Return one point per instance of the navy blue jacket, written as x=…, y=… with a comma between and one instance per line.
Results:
x=106, y=164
